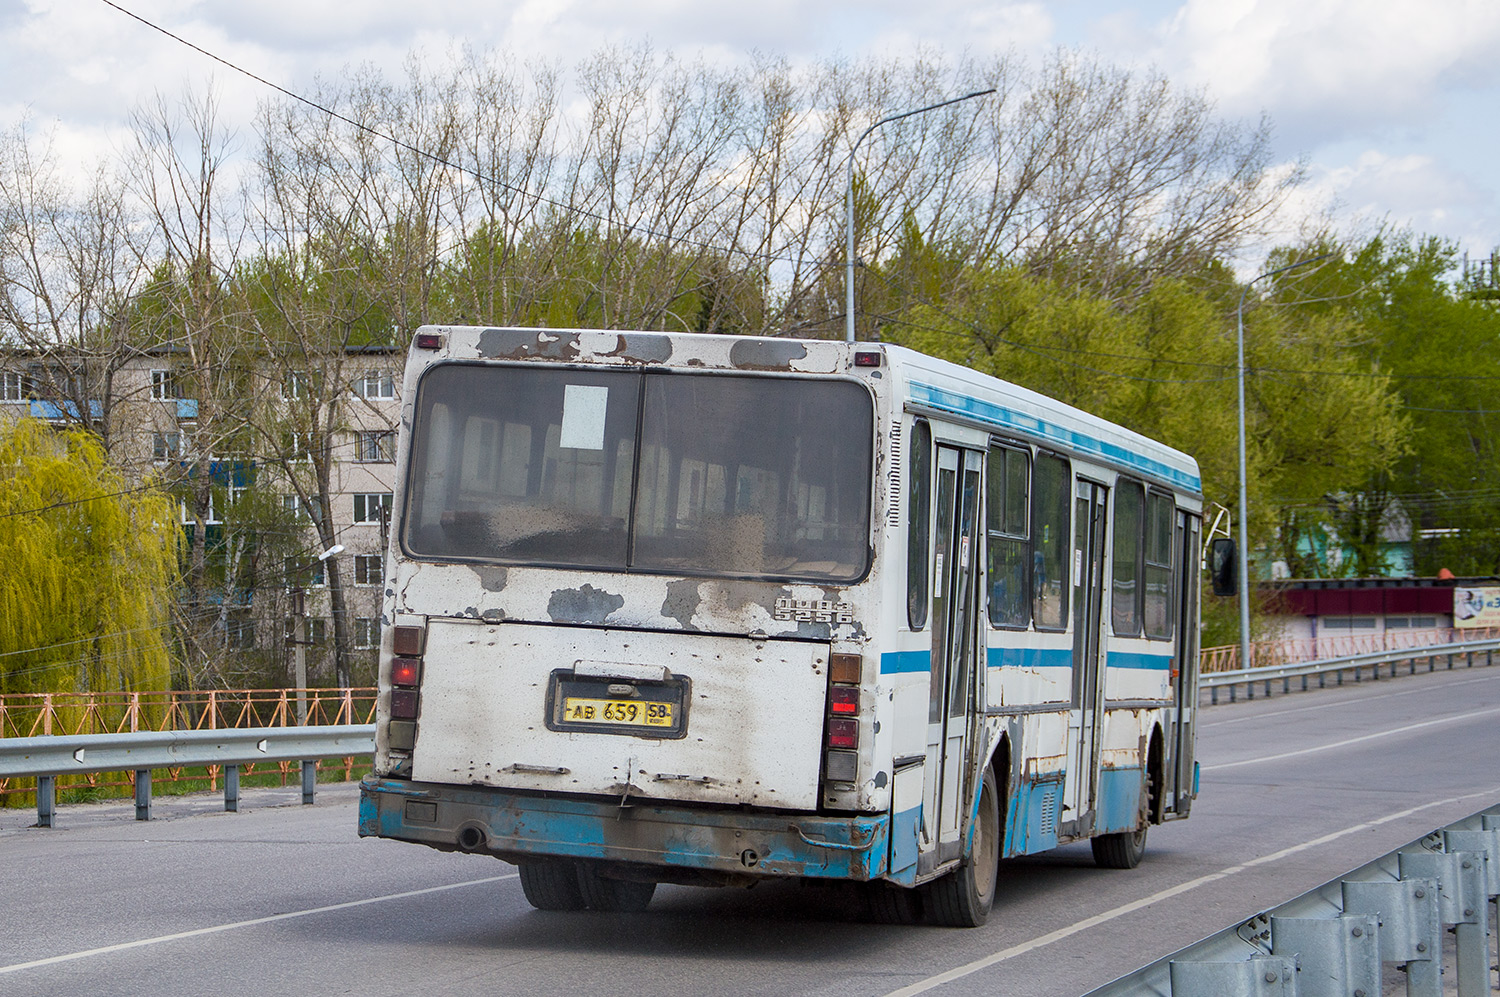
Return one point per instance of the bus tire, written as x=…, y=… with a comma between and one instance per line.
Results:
x=892, y=904
x=1120, y=851
x=963, y=898
x=551, y=884
x=618, y=895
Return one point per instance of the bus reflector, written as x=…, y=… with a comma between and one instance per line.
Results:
x=843, y=700
x=407, y=640
x=405, y=671
x=844, y=669
x=429, y=341
x=404, y=704
x=843, y=733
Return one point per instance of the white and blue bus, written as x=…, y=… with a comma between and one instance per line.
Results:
x=708, y=609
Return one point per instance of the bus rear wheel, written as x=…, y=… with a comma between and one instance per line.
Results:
x=963, y=898
x=1120, y=851
x=619, y=895
x=551, y=884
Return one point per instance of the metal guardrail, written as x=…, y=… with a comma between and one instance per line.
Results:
x=46, y=758
x=1338, y=938
x=1338, y=667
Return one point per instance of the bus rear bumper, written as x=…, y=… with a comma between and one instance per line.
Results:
x=678, y=840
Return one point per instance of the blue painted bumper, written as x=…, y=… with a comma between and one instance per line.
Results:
x=518, y=825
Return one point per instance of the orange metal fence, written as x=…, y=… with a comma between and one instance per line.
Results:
x=46, y=714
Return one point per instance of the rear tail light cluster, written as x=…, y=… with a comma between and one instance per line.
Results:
x=841, y=763
x=407, y=644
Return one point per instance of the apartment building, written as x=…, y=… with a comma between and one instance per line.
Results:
x=283, y=438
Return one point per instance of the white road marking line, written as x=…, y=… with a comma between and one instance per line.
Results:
x=140, y=943
x=1041, y=941
x=1225, y=722
x=1353, y=740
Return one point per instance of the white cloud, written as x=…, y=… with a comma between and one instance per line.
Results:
x=1332, y=65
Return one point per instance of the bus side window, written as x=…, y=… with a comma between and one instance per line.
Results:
x=1051, y=541
x=1006, y=521
x=1125, y=597
x=1158, y=578
x=918, y=522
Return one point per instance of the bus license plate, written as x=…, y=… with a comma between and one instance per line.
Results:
x=599, y=705
x=624, y=712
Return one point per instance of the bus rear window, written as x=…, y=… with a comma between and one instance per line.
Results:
x=743, y=476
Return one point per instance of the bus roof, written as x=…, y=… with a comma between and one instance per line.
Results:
x=931, y=385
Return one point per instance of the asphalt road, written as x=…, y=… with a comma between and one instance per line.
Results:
x=284, y=899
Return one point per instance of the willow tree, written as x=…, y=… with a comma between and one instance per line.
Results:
x=92, y=566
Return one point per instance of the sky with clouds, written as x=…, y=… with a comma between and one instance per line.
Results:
x=1391, y=104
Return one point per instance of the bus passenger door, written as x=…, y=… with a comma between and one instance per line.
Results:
x=1082, y=780
x=954, y=587
x=1185, y=665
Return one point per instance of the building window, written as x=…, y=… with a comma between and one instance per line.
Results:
x=311, y=575
x=1411, y=622
x=12, y=386
x=367, y=569
x=377, y=385
x=298, y=384
x=317, y=631
x=303, y=510
x=375, y=447
x=297, y=447
x=164, y=386
x=368, y=507
x=239, y=633
x=1348, y=622
x=366, y=632
x=210, y=515
x=166, y=446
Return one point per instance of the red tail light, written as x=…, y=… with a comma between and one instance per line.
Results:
x=843, y=733
x=406, y=671
x=843, y=699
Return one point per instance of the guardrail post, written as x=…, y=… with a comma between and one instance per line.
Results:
x=1409, y=930
x=309, y=779
x=1470, y=656
x=1460, y=878
x=1450, y=661
x=1485, y=844
x=232, y=789
x=142, y=794
x=1338, y=957
x=46, y=800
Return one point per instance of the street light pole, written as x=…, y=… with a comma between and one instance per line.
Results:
x=299, y=633
x=849, y=204
x=1244, y=565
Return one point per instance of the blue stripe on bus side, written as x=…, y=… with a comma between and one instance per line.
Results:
x=1123, y=659
x=1005, y=418
x=1029, y=657
x=892, y=662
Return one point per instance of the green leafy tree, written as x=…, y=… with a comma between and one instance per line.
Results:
x=92, y=558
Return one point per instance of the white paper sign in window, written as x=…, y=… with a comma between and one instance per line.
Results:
x=584, y=408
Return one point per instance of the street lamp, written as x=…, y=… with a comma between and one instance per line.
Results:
x=1244, y=565
x=298, y=639
x=849, y=205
